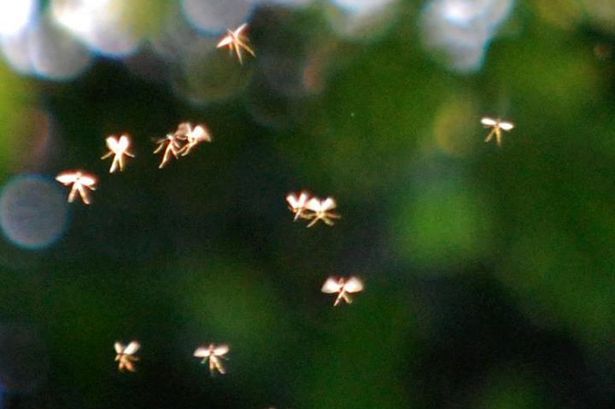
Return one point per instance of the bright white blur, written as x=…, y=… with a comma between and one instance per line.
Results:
x=216, y=16
x=461, y=30
x=15, y=15
x=103, y=25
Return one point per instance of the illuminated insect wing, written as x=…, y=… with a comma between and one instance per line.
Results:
x=332, y=286
x=200, y=133
x=314, y=205
x=183, y=129
x=226, y=41
x=119, y=349
x=488, y=122
x=507, y=126
x=67, y=178
x=195, y=136
x=132, y=348
x=328, y=204
x=221, y=350
x=297, y=204
x=202, y=352
x=353, y=285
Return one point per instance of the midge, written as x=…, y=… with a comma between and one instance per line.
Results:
x=322, y=210
x=172, y=146
x=80, y=182
x=343, y=287
x=296, y=204
x=125, y=356
x=235, y=41
x=213, y=353
x=118, y=148
x=304, y=206
x=192, y=136
x=497, y=126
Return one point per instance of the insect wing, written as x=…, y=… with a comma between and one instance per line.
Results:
x=201, y=352
x=200, y=133
x=314, y=205
x=225, y=41
x=296, y=202
x=328, y=204
x=124, y=143
x=331, y=286
x=67, y=178
x=507, y=126
x=488, y=122
x=87, y=180
x=132, y=348
x=119, y=348
x=112, y=143
x=353, y=285
x=221, y=350
x=239, y=29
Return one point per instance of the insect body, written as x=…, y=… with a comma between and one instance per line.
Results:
x=80, y=182
x=213, y=353
x=125, y=356
x=343, y=287
x=497, y=126
x=296, y=204
x=235, y=41
x=172, y=147
x=192, y=136
x=118, y=148
x=322, y=210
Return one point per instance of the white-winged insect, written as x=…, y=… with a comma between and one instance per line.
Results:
x=213, y=353
x=172, y=145
x=235, y=41
x=296, y=204
x=321, y=210
x=118, y=148
x=192, y=136
x=343, y=287
x=125, y=356
x=497, y=126
x=80, y=182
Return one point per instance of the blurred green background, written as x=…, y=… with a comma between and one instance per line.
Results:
x=489, y=271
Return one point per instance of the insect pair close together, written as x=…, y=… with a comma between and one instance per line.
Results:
x=126, y=358
x=181, y=142
x=303, y=206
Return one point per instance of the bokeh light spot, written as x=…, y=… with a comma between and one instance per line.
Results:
x=216, y=16
x=33, y=212
x=15, y=15
x=458, y=31
x=105, y=26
